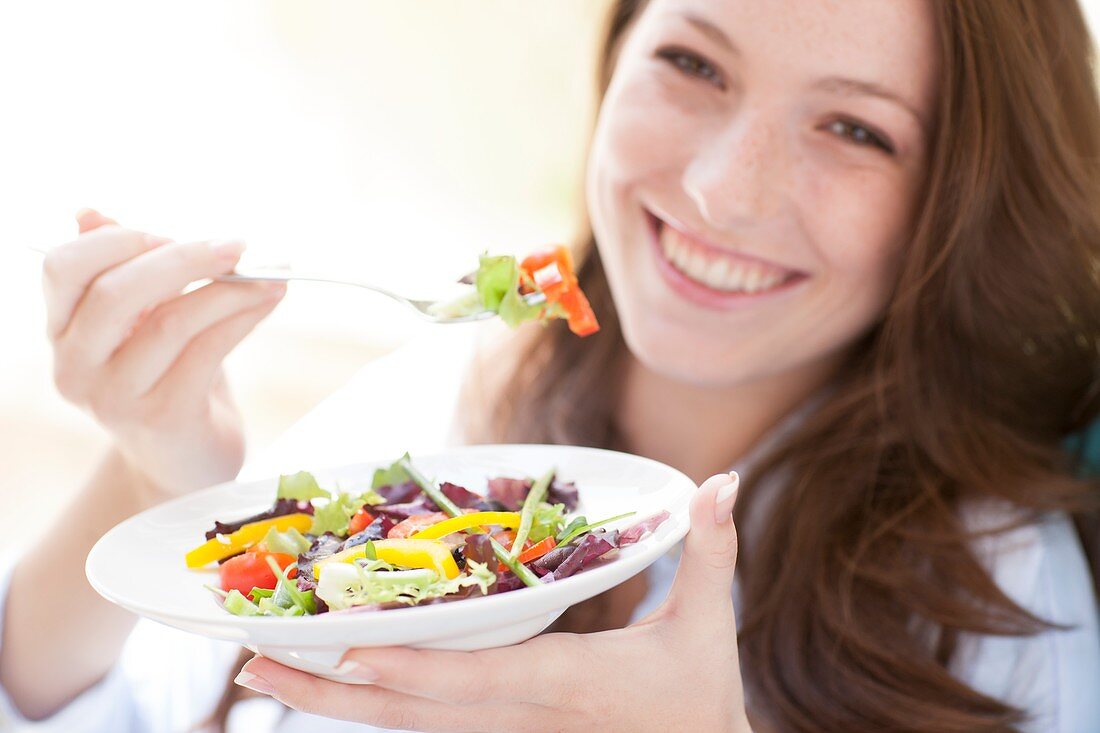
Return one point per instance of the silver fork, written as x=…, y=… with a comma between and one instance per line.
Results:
x=431, y=310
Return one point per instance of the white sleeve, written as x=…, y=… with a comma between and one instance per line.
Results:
x=106, y=705
x=1054, y=676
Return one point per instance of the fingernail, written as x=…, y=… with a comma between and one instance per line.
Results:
x=83, y=213
x=348, y=668
x=725, y=499
x=252, y=682
x=227, y=249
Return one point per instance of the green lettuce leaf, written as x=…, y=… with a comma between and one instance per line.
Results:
x=395, y=474
x=301, y=486
x=291, y=542
x=496, y=275
x=238, y=605
x=343, y=585
x=548, y=520
x=335, y=515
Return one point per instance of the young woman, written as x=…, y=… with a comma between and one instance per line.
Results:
x=852, y=249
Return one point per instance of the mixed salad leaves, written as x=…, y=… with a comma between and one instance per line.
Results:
x=405, y=541
x=501, y=284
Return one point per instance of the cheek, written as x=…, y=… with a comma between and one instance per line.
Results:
x=641, y=140
x=858, y=221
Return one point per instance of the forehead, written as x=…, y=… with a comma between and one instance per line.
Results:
x=887, y=42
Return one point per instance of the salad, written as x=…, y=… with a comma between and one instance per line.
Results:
x=405, y=541
x=501, y=284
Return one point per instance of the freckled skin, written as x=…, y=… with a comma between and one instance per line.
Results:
x=750, y=164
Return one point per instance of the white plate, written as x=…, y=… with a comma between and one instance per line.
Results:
x=139, y=564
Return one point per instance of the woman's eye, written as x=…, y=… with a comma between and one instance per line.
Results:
x=859, y=135
x=689, y=63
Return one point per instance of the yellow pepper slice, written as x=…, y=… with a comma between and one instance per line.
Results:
x=466, y=521
x=248, y=535
x=406, y=553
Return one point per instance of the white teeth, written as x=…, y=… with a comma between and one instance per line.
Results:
x=736, y=278
x=716, y=271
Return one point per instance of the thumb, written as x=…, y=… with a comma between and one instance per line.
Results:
x=709, y=556
x=89, y=219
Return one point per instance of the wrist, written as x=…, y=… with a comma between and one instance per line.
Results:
x=141, y=489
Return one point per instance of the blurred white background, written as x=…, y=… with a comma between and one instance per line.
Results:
x=388, y=139
x=392, y=140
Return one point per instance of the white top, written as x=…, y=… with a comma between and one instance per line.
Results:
x=167, y=680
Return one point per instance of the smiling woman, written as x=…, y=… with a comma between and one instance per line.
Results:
x=851, y=250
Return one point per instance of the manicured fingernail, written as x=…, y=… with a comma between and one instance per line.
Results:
x=725, y=499
x=227, y=249
x=252, y=682
x=348, y=668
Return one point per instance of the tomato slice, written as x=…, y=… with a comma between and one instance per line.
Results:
x=250, y=570
x=359, y=522
x=414, y=524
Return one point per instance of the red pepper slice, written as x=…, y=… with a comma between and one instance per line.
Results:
x=559, y=254
x=550, y=281
x=581, y=318
x=359, y=522
x=537, y=550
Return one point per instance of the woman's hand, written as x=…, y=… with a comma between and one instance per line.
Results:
x=675, y=670
x=143, y=357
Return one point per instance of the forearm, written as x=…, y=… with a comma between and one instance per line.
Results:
x=59, y=635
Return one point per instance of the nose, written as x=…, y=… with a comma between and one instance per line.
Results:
x=736, y=176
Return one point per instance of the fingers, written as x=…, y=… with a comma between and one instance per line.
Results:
x=116, y=298
x=89, y=219
x=704, y=578
x=462, y=678
x=167, y=331
x=373, y=705
x=69, y=268
x=199, y=364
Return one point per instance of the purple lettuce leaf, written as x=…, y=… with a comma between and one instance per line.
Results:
x=462, y=497
x=323, y=546
x=563, y=492
x=636, y=531
x=401, y=493
x=478, y=549
x=549, y=562
x=509, y=491
x=397, y=512
x=591, y=548
x=280, y=508
x=376, y=530
x=508, y=581
x=419, y=503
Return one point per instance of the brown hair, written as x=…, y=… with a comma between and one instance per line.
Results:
x=985, y=359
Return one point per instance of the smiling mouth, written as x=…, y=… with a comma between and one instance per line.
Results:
x=716, y=269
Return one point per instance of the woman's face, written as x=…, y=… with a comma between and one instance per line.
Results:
x=754, y=175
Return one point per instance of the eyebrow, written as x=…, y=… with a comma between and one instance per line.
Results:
x=713, y=32
x=843, y=85
x=837, y=84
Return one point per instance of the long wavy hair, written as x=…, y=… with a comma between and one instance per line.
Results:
x=985, y=359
